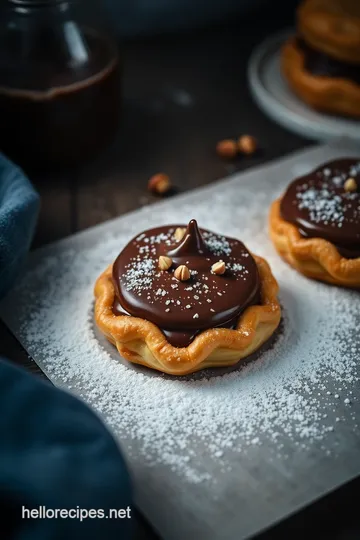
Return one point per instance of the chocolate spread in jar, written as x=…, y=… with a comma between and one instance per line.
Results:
x=61, y=108
x=182, y=309
x=319, y=205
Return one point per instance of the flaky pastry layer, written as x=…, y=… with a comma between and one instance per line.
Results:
x=142, y=342
x=332, y=27
x=329, y=94
x=316, y=258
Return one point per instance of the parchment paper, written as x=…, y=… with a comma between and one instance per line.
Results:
x=244, y=491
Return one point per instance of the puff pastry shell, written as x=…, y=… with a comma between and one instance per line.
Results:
x=330, y=94
x=142, y=342
x=314, y=257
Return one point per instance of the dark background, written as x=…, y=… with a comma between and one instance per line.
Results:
x=160, y=130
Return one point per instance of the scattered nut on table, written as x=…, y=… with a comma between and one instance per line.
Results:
x=226, y=148
x=247, y=144
x=159, y=183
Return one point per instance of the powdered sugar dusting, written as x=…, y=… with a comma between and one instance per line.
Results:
x=274, y=398
x=283, y=400
x=217, y=244
x=326, y=200
x=138, y=275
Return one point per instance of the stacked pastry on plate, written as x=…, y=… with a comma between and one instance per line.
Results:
x=322, y=62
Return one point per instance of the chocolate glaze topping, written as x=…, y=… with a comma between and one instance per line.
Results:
x=318, y=63
x=182, y=309
x=321, y=207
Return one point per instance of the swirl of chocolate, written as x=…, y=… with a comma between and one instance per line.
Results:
x=318, y=63
x=182, y=309
x=320, y=206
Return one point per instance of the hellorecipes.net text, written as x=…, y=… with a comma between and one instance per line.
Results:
x=42, y=512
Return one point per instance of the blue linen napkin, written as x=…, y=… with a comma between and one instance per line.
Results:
x=19, y=207
x=57, y=455
x=55, y=452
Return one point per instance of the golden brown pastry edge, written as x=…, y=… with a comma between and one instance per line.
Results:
x=328, y=94
x=142, y=342
x=315, y=258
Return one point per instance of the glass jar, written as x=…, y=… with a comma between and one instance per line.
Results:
x=59, y=82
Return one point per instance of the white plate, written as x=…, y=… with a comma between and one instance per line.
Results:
x=276, y=99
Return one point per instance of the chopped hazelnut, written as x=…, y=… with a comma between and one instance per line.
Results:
x=226, y=148
x=179, y=233
x=247, y=144
x=182, y=273
x=164, y=262
x=159, y=183
x=218, y=268
x=350, y=185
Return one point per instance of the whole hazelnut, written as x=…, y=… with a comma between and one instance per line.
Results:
x=159, y=183
x=247, y=144
x=164, y=262
x=179, y=233
x=350, y=185
x=226, y=148
x=182, y=273
x=218, y=268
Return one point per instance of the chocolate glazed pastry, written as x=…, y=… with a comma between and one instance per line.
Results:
x=321, y=205
x=319, y=63
x=182, y=309
x=179, y=300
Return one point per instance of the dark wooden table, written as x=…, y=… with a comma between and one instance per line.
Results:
x=181, y=94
